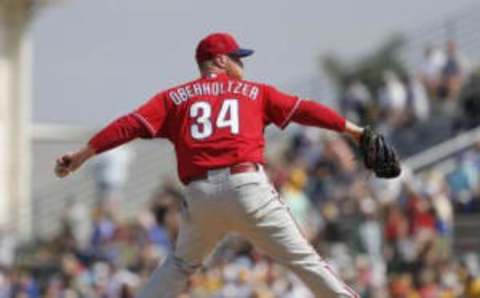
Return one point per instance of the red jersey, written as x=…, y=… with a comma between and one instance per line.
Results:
x=216, y=121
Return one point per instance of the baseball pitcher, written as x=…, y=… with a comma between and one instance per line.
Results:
x=216, y=125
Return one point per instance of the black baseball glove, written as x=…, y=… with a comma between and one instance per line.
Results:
x=378, y=156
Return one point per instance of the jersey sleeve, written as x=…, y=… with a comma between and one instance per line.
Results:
x=118, y=132
x=315, y=114
x=152, y=114
x=279, y=107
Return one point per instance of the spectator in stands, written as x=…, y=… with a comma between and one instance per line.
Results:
x=165, y=207
x=75, y=224
x=321, y=181
x=430, y=71
x=157, y=234
x=304, y=150
x=453, y=75
x=470, y=269
x=418, y=105
x=25, y=286
x=341, y=154
x=421, y=216
x=464, y=182
x=402, y=248
x=300, y=205
x=104, y=227
x=393, y=102
x=449, y=280
x=370, y=235
x=356, y=103
x=331, y=232
x=436, y=191
x=395, y=224
x=428, y=285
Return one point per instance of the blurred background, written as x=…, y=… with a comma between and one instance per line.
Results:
x=409, y=68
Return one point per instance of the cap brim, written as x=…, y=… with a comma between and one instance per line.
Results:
x=242, y=53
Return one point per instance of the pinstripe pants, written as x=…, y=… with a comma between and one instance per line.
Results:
x=248, y=204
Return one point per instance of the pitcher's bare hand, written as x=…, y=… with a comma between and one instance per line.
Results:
x=70, y=162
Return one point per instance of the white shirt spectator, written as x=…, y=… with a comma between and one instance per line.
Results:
x=420, y=103
x=356, y=101
x=358, y=93
x=393, y=96
x=433, y=63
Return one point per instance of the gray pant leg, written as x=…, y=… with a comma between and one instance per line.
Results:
x=168, y=280
x=197, y=237
x=272, y=229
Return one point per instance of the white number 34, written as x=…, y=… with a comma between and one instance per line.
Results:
x=201, y=111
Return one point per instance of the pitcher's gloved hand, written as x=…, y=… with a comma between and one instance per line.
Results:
x=378, y=156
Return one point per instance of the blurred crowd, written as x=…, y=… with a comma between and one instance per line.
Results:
x=385, y=238
x=444, y=85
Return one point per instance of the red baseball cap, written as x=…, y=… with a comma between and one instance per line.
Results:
x=217, y=44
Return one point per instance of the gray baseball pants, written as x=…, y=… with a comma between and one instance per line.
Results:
x=248, y=204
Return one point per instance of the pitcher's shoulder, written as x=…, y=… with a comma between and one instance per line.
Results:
x=181, y=85
x=256, y=83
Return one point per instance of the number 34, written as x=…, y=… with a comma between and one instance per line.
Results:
x=201, y=112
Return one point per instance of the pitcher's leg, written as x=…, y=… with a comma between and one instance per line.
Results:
x=194, y=243
x=273, y=230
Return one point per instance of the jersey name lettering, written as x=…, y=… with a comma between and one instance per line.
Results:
x=215, y=88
